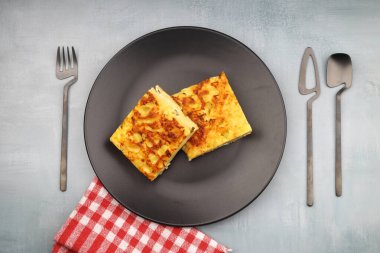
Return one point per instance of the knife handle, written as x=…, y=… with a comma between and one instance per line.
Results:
x=310, y=181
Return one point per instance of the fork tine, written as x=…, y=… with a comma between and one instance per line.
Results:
x=64, y=59
x=68, y=58
x=58, y=64
x=74, y=58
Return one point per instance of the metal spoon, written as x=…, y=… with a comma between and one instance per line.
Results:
x=305, y=91
x=339, y=71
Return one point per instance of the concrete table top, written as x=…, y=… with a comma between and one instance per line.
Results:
x=32, y=208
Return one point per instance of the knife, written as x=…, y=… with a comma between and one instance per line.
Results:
x=305, y=91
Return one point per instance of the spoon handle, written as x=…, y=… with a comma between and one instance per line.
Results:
x=338, y=145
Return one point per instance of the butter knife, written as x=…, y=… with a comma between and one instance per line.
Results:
x=305, y=91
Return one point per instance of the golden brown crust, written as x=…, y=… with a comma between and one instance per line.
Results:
x=152, y=134
x=213, y=106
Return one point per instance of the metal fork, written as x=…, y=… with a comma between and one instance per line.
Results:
x=65, y=70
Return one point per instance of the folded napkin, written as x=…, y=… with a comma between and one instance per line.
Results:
x=100, y=224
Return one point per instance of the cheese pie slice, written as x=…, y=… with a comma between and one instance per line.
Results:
x=213, y=106
x=153, y=132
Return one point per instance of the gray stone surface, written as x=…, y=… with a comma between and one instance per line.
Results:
x=32, y=208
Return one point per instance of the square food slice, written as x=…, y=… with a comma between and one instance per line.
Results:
x=213, y=106
x=153, y=132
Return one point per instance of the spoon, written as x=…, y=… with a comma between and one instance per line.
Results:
x=339, y=71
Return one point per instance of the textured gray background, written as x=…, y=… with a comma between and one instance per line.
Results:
x=32, y=208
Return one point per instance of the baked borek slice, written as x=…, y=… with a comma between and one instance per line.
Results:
x=153, y=132
x=213, y=106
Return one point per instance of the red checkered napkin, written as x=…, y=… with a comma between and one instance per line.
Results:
x=100, y=224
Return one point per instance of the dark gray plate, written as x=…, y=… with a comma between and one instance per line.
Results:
x=211, y=187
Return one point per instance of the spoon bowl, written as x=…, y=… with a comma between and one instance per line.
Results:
x=339, y=70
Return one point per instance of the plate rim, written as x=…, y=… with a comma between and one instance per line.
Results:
x=178, y=28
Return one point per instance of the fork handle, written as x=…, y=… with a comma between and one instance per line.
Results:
x=65, y=119
x=63, y=169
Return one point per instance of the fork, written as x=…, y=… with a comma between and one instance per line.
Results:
x=65, y=70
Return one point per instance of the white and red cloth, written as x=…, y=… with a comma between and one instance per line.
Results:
x=100, y=224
